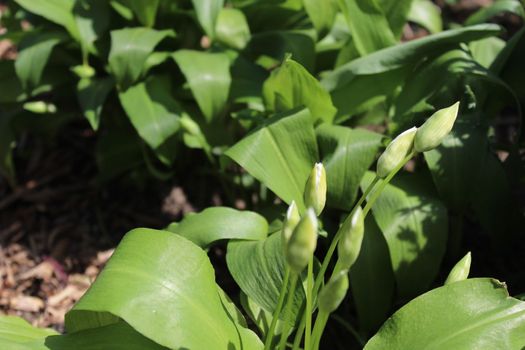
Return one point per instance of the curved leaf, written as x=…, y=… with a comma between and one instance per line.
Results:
x=471, y=314
x=159, y=278
x=208, y=75
x=17, y=334
x=207, y=12
x=496, y=8
x=214, y=224
x=396, y=12
x=280, y=154
x=426, y=14
x=146, y=11
x=415, y=226
x=322, y=14
x=232, y=28
x=92, y=20
x=346, y=154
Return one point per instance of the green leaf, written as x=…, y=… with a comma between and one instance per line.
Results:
x=218, y=223
x=232, y=28
x=146, y=11
x=497, y=7
x=291, y=86
x=34, y=54
x=426, y=14
x=280, y=154
x=208, y=75
x=92, y=94
x=396, y=12
x=207, y=12
x=486, y=50
x=130, y=47
x=57, y=11
x=415, y=225
x=392, y=65
x=368, y=25
x=154, y=113
x=116, y=336
x=159, y=278
x=258, y=268
x=17, y=334
x=92, y=20
x=346, y=155
x=471, y=314
x=259, y=316
x=322, y=14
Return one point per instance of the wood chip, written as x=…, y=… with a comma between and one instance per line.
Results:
x=27, y=303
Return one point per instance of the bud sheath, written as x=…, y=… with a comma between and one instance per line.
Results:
x=461, y=270
x=395, y=152
x=333, y=292
x=436, y=128
x=315, y=190
x=290, y=222
x=349, y=246
x=302, y=243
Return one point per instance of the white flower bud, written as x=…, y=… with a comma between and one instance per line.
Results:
x=315, y=189
x=302, y=243
x=436, y=128
x=334, y=292
x=395, y=152
x=461, y=270
x=349, y=246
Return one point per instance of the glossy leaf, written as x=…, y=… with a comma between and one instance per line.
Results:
x=291, y=86
x=157, y=277
x=415, y=225
x=486, y=50
x=280, y=154
x=153, y=112
x=219, y=223
x=346, y=154
x=471, y=314
x=258, y=268
x=57, y=11
x=208, y=75
x=498, y=7
x=146, y=11
x=232, y=28
x=17, y=334
x=34, y=56
x=426, y=14
x=372, y=279
x=207, y=12
x=368, y=25
x=92, y=94
x=322, y=14
x=130, y=47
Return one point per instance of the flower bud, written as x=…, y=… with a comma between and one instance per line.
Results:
x=433, y=131
x=315, y=190
x=395, y=152
x=460, y=271
x=333, y=292
x=83, y=71
x=290, y=222
x=190, y=126
x=302, y=243
x=39, y=107
x=349, y=245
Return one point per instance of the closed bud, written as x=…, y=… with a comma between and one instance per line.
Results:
x=83, y=71
x=315, y=190
x=395, y=152
x=302, y=243
x=39, y=107
x=461, y=270
x=333, y=292
x=349, y=245
x=190, y=126
x=436, y=128
x=290, y=222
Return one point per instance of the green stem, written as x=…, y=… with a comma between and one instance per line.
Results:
x=324, y=266
x=287, y=310
x=309, y=302
x=277, y=312
x=320, y=324
x=350, y=328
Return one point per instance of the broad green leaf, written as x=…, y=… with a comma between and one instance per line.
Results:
x=426, y=14
x=207, y=12
x=34, y=54
x=159, y=278
x=454, y=163
x=415, y=225
x=368, y=25
x=396, y=62
x=346, y=155
x=291, y=86
x=232, y=28
x=486, y=50
x=322, y=14
x=372, y=279
x=153, y=112
x=116, y=336
x=280, y=154
x=57, y=11
x=496, y=8
x=92, y=20
x=92, y=94
x=471, y=314
x=130, y=47
x=208, y=75
x=218, y=223
x=396, y=12
x=258, y=268
x=146, y=11
x=17, y=334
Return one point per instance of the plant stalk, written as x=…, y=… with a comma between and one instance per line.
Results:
x=309, y=302
x=320, y=324
x=287, y=310
x=278, y=309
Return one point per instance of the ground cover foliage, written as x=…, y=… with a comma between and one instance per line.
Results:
x=356, y=227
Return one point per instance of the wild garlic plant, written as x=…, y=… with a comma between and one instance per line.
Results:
x=300, y=235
